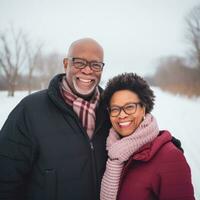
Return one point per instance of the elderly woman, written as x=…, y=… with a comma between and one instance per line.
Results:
x=143, y=163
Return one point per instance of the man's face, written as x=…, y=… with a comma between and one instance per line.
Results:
x=83, y=81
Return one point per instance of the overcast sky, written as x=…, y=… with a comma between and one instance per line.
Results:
x=134, y=33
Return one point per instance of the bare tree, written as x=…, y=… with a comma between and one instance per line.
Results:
x=171, y=71
x=193, y=34
x=50, y=65
x=174, y=74
x=12, y=56
x=33, y=59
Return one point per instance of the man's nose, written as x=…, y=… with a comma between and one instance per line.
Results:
x=87, y=70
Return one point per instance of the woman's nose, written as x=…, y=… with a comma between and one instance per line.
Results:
x=122, y=114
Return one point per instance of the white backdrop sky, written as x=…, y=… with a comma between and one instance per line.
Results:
x=134, y=33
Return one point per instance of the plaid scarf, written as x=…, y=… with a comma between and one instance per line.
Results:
x=85, y=110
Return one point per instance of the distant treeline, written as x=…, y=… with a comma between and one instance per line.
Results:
x=177, y=76
x=173, y=74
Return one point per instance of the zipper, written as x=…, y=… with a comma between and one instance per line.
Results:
x=94, y=172
x=91, y=146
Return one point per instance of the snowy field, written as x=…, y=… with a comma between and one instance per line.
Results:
x=177, y=114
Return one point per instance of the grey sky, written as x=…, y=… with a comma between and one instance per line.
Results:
x=134, y=33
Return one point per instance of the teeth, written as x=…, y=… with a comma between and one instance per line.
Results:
x=84, y=80
x=124, y=123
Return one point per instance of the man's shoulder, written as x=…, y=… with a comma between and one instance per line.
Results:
x=35, y=97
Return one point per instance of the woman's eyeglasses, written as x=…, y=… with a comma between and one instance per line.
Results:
x=129, y=109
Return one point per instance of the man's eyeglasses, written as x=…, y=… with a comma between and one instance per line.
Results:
x=129, y=109
x=81, y=63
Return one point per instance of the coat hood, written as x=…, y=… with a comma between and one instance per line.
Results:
x=149, y=150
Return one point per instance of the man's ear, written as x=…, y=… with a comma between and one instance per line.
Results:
x=65, y=63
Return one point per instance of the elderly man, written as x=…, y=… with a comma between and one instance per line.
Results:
x=52, y=145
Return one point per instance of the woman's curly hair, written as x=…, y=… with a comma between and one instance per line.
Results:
x=134, y=83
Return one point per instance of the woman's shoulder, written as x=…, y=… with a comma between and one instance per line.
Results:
x=170, y=158
x=166, y=149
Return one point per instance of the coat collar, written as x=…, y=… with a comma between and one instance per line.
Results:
x=148, y=151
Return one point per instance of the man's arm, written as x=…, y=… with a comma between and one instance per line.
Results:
x=177, y=143
x=16, y=155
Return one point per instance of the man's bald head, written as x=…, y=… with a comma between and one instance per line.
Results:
x=86, y=44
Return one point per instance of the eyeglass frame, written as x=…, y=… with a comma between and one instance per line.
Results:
x=88, y=63
x=123, y=108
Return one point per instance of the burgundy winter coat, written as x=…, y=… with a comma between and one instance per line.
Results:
x=159, y=171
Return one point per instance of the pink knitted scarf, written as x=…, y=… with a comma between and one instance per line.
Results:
x=120, y=150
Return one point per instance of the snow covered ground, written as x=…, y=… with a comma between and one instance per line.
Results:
x=176, y=113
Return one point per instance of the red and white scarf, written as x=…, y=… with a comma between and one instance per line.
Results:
x=85, y=110
x=120, y=150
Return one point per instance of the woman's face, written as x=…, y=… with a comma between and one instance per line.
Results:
x=126, y=112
